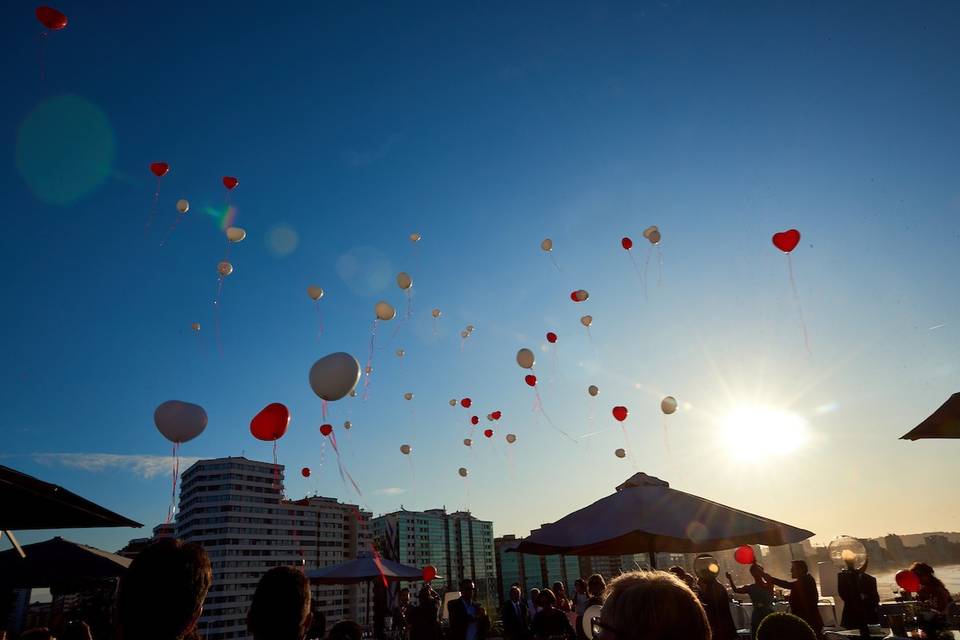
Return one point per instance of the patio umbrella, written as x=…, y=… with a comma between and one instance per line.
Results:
x=942, y=423
x=646, y=515
x=364, y=570
x=56, y=561
x=29, y=503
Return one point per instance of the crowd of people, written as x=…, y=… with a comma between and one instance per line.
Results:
x=161, y=598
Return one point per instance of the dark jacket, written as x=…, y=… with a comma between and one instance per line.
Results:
x=424, y=621
x=861, y=600
x=459, y=621
x=514, y=626
x=551, y=623
x=716, y=602
x=803, y=600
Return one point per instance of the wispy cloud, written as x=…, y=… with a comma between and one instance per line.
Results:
x=390, y=491
x=362, y=158
x=145, y=466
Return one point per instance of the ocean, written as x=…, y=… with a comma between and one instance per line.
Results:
x=887, y=586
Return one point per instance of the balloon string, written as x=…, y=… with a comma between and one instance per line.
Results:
x=369, y=367
x=796, y=297
x=666, y=436
x=344, y=474
x=276, y=468
x=216, y=315
x=176, y=221
x=316, y=305
x=646, y=265
x=323, y=409
x=176, y=472
x=153, y=209
x=626, y=440
x=538, y=407
x=636, y=267
x=555, y=263
x=659, y=265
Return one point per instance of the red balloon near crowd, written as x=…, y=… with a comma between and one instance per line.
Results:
x=530, y=379
x=908, y=581
x=474, y=420
x=51, y=18
x=159, y=169
x=744, y=554
x=230, y=182
x=551, y=337
x=326, y=429
x=429, y=573
x=626, y=243
x=488, y=433
x=271, y=423
x=305, y=472
x=786, y=241
x=496, y=415
x=620, y=413
x=466, y=402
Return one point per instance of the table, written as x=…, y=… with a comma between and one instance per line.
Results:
x=882, y=633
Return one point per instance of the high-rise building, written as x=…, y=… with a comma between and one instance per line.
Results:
x=457, y=544
x=235, y=508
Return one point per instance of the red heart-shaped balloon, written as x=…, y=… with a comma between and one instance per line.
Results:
x=786, y=241
x=620, y=413
x=230, y=182
x=326, y=429
x=530, y=379
x=474, y=420
x=551, y=337
x=159, y=169
x=626, y=243
x=305, y=472
x=488, y=433
x=496, y=415
x=51, y=18
x=466, y=402
x=271, y=423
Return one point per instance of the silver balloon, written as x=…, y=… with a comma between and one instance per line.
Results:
x=334, y=376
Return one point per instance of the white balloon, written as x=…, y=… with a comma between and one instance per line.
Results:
x=620, y=453
x=334, y=376
x=463, y=472
x=347, y=425
x=649, y=231
x=586, y=321
x=415, y=237
x=453, y=402
x=464, y=334
x=314, y=292
x=353, y=393
x=547, y=244
x=236, y=234
x=593, y=390
x=385, y=310
x=405, y=449
x=180, y=421
x=470, y=328
x=668, y=405
x=654, y=238
x=400, y=353
x=525, y=358
x=404, y=281
x=183, y=206
x=511, y=438
x=408, y=396
x=436, y=313
x=195, y=326
x=468, y=442
x=224, y=269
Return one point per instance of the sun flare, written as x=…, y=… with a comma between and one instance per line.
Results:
x=750, y=431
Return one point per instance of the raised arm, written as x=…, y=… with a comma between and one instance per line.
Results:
x=783, y=584
x=735, y=588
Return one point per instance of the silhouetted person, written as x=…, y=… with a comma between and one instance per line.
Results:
x=580, y=596
x=784, y=626
x=162, y=592
x=560, y=593
x=595, y=588
x=468, y=620
x=684, y=577
x=76, y=630
x=803, y=595
x=37, y=633
x=761, y=595
x=533, y=603
x=318, y=626
x=550, y=622
x=401, y=614
x=346, y=630
x=513, y=613
x=934, y=600
x=861, y=600
x=379, y=609
x=716, y=602
x=424, y=619
x=280, y=609
x=651, y=605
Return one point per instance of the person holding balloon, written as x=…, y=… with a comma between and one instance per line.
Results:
x=803, y=594
x=934, y=600
x=761, y=594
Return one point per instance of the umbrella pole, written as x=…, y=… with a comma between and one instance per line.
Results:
x=369, y=582
x=653, y=559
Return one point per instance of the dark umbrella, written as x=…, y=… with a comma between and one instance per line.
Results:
x=56, y=561
x=364, y=570
x=942, y=423
x=29, y=503
x=646, y=515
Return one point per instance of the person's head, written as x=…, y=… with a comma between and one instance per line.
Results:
x=345, y=630
x=161, y=595
x=558, y=588
x=535, y=596
x=427, y=595
x=652, y=605
x=580, y=585
x=798, y=569
x=678, y=571
x=515, y=594
x=596, y=585
x=76, y=630
x=547, y=599
x=784, y=626
x=280, y=609
x=404, y=597
x=757, y=572
x=37, y=633
x=925, y=573
x=467, y=588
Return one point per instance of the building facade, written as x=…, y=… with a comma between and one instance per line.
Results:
x=457, y=544
x=235, y=508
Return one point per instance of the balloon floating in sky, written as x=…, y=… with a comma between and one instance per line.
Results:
x=620, y=413
x=668, y=405
x=400, y=353
x=305, y=472
x=347, y=425
x=466, y=402
x=314, y=292
x=326, y=429
x=271, y=423
x=530, y=379
x=593, y=390
x=511, y=438
x=488, y=433
x=230, y=182
x=334, y=376
x=586, y=321
x=474, y=420
x=526, y=358
x=404, y=281
x=179, y=421
x=787, y=240
x=467, y=442
x=620, y=453
x=547, y=244
x=463, y=472
x=408, y=396
x=744, y=554
x=384, y=311
x=51, y=18
x=195, y=326
x=496, y=415
x=453, y=402
x=236, y=234
x=159, y=169
x=580, y=295
x=652, y=234
x=224, y=268
x=415, y=237
x=405, y=449
x=436, y=313
x=183, y=205
x=551, y=337
x=429, y=573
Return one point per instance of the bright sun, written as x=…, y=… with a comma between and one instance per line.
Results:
x=751, y=431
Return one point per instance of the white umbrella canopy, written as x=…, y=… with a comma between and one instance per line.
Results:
x=646, y=515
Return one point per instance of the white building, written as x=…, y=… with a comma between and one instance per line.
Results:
x=235, y=508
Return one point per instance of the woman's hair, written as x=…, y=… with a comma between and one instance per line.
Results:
x=547, y=597
x=756, y=570
x=280, y=605
x=653, y=605
x=596, y=585
x=924, y=570
x=784, y=626
x=803, y=566
x=162, y=593
x=345, y=630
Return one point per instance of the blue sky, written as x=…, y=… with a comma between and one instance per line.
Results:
x=488, y=128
